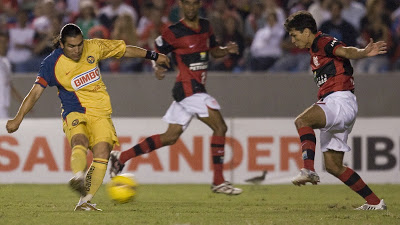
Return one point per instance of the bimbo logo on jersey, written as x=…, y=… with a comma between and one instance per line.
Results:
x=85, y=78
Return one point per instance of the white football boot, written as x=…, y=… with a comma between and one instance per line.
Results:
x=305, y=176
x=226, y=188
x=366, y=206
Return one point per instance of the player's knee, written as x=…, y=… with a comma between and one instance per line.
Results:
x=300, y=122
x=221, y=129
x=79, y=139
x=102, y=150
x=172, y=141
x=169, y=139
x=333, y=169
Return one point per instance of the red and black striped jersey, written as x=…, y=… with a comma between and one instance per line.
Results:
x=331, y=73
x=190, y=50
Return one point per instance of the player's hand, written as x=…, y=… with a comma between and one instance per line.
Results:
x=12, y=125
x=377, y=48
x=232, y=48
x=163, y=60
x=159, y=70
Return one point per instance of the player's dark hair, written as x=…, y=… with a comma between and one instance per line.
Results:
x=301, y=20
x=68, y=30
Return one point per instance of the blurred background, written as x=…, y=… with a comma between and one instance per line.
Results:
x=256, y=25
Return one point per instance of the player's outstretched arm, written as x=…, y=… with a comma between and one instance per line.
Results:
x=230, y=48
x=27, y=104
x=372, y=49
x=138, y=52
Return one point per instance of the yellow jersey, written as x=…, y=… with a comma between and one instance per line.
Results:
x=80, y=86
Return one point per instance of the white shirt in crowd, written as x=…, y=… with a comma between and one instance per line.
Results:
x=5, y=95
x=23, y=36
x=267, y=41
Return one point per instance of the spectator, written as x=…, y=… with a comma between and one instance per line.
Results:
x=99, y=31
x=27, y=5
x=43, y=12
x=144, y=20
x=320, y=11
x=265, y=48
x=110, y=12
x=9, y=7
x=338, y=27
x=293, y=59
x=73, y=8
x=254, y=21
x=174, y=14
x=21, y=43
x=124, y=29
x=216, y=18
x=353, y=12
x=270, y=5
x=242, y=7
x=87, y=17
x=153, y=29
x=44, y=42
x=298, y=5
x=395, y=60
x=6, y=86
x=231, y=33
x=375, y=25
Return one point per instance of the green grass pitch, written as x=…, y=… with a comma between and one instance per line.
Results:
x=196, y=204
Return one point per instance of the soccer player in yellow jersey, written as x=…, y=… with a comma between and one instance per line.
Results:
x=86, y=109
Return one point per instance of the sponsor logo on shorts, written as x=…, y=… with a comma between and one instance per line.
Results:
x=86, y=78
x=75, y=122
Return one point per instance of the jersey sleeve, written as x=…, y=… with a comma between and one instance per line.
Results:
x=331, y=46
x=164, y=42
x=46, y=76
x=110, y=48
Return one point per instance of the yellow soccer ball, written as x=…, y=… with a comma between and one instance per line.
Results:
x=122, y=188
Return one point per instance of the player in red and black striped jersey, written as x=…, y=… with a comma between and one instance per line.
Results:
x=335, y=112
x=191, y=42
x=331, y=73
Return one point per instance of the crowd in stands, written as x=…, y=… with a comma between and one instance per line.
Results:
x=255, y=25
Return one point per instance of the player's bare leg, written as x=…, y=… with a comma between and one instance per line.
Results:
x=216, y=122
x=149, y=144
x=312, y=118
x=334, y=165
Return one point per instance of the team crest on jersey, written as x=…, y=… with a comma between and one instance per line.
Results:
x=315, y=60
x=86, y=78
x=90, y=59
x=75, y=122
x=203, y=55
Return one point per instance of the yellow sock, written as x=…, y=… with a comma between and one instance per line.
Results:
x=78, y=159
x=95, y=175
